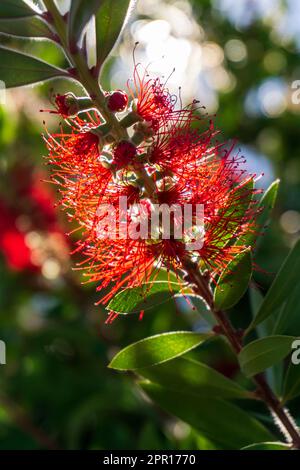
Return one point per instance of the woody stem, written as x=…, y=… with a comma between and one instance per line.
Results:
x=83, y=74
x=201, y=287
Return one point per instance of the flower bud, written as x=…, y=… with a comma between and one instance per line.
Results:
x=117, y=101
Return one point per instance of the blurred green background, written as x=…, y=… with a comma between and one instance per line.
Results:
x=240, y=60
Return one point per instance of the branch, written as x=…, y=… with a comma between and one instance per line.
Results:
x=23, y=421
x=200, y=285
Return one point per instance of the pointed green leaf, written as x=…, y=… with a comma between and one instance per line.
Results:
x=256, y=298
x=291, y=387
x=234, y=281
x=281, y=288
x=10, y=9
x=274, y=374
x=135, y=299
x=157, y=349
x=31, y=27
x=264, y=207
x=268, y=446
x=288, y=318
x=80, y=13
x=17, y=69
x=223, y=422
x=235, y=213
x=262, y=353
x=194, y=377
x=110, y=20
x=164, y=275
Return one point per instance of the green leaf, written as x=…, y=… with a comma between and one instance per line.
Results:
x=288, y=319
x=164, y=275
x=256, y=298
x=268, y=446
x=17, y=69
x=275, y=373
x=263, y=353
x=10, y=9
x=110, y=20
x=157, y=349
x=135, y=299
x=234, y=281
x=31, y=27
x=234, y=214
x=291, y=388
x=198, y=305
x=281, y=288
x=80, y=13
x=264, y=207
x=194, y=377
x=219, y=420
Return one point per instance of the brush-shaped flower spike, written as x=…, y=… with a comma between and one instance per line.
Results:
x=180, y=165
x=127, y=262
x=151, y=100
x=122, y=263
x=124, y=153
x=78, y=172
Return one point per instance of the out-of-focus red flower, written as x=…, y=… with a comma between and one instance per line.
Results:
x=16, y=251
x=30, y=232
x=12, y=242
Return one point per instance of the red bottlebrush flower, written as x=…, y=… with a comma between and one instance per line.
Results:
x=124, y=154
x=182, y=166
x=177, y=145
x=117, y=101
x=127, y=262
x=78, y=172
x=68, y=106
x=153, y=102
x=119, y=263
x=64, y=105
